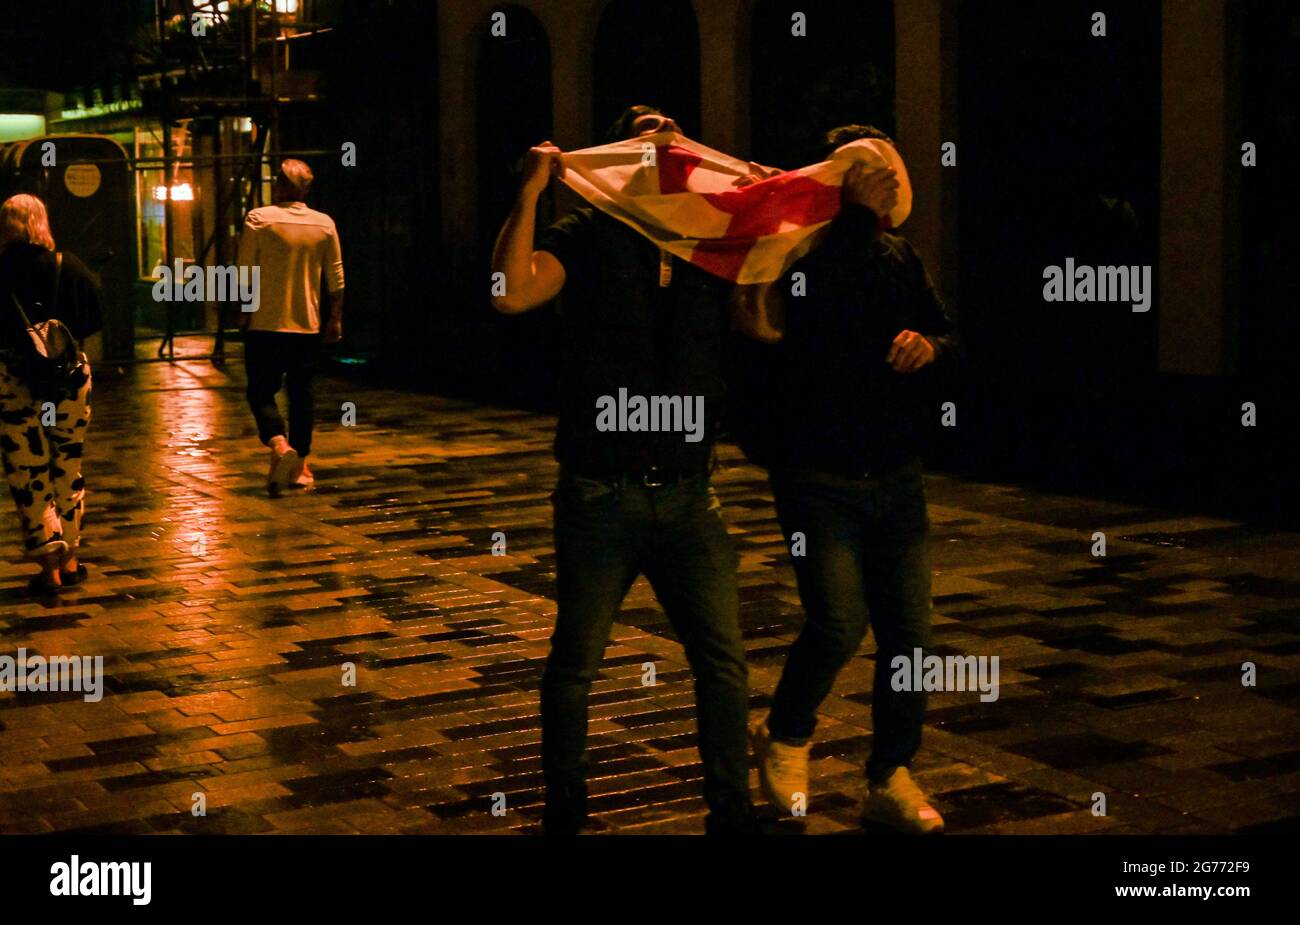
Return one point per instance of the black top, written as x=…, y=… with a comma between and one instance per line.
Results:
x=824, y=397
x=622, y=330
x=27, y=270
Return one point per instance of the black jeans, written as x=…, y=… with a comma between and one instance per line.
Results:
x=275, y=358
x=865, y=558
x=606, y=534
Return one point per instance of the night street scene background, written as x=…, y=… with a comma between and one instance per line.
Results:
x=1114, y=509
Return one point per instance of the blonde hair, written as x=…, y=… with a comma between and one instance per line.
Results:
x=23, y=220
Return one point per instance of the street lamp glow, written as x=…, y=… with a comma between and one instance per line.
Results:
x=181, y=192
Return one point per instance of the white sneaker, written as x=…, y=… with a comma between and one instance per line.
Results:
x=305, y=478
x=782, y=769
x=285, y=466
x=900, y=804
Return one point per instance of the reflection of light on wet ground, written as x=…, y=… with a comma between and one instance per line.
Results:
x=191, y=415
x=225, y=620
x=185, y=346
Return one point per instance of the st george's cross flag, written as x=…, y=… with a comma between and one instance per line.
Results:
x=683, y=196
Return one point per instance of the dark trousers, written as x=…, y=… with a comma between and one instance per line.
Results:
x=606, y=534
x=273, y=359
x=865, y=559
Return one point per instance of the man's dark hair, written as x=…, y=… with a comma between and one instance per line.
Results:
x=844, y=134
x=623, y=124
x=294, y=177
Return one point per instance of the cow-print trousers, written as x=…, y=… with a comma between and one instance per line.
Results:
x=41, y=442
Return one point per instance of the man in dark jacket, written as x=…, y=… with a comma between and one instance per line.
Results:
x=643, y=325
x=840, y=434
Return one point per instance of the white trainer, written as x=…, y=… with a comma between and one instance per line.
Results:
x=285, y=466
x=782, y=769
x=305, y=479
x=900, y=804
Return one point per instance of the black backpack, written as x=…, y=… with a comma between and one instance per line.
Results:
x=51, y=355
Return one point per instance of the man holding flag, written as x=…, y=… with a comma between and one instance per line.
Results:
x=676, y=234
x=631, y=502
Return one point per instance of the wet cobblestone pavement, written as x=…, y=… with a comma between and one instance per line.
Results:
x=225, y=619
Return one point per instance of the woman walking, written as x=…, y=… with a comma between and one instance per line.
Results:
x=45, y=296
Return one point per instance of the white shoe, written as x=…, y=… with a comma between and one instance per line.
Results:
x=305, y=477
x=285, y=467
x=782, y=770
x=900, y=804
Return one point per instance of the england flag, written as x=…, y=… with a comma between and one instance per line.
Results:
x=685, y=198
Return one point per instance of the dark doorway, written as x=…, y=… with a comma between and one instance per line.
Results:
x=1269, y=240
x=513, y=114
x=387, y=206
x=1059, y=156
x=647, y=52
x=840, y=71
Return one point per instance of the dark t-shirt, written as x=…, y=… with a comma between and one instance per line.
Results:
x=28, y=271
x=824, y=398
x=621, y=329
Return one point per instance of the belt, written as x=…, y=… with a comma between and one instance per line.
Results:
x=651, y=477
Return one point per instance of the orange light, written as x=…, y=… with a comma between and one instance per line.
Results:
x=181, y=192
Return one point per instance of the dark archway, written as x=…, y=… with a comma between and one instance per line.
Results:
x=1269, y=238
x=647, y=51
x=388, y=206
x=513, y=112
x=507, y=359
x=840, y=71
x=1059, y=158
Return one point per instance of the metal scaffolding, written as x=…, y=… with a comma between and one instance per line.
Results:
x=211, y=61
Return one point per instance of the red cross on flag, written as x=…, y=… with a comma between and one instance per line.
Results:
x=684, y=197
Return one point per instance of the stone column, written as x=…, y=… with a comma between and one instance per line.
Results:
x=571, y=30
x=459, y=28
x=724, y=27
x=1199, y=201
x=925, y=95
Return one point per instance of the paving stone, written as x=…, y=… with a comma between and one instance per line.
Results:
x=226, y=619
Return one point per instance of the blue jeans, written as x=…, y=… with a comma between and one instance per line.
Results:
x=606, y=534
x=866, y=559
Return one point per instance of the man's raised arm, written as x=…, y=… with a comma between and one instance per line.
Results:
x=532, y=278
